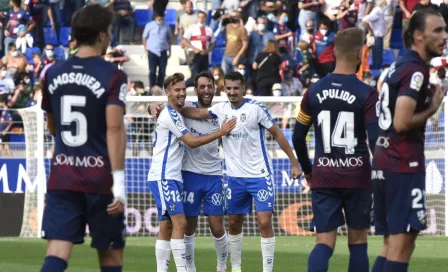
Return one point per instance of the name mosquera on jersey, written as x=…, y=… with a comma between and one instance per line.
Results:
x=79, y=79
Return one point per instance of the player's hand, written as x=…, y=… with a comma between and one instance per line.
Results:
x=437, y=98
x=308, y=178
x=228, y=126
x=296, y=172
x=154, y=109
x=115, y=208
x=235, y=61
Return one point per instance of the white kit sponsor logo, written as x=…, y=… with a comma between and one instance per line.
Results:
x=86, y=161
x=340, y=162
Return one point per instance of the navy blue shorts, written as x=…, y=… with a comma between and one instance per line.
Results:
x=330, y=205
x=399, y=202
x=67, y=213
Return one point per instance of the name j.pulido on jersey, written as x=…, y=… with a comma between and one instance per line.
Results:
x=336, y=94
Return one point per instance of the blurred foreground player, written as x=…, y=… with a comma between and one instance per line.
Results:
x=249, y=166
x=84, y=98
x=406, y=103
x=165, y=176
x=202, y=176
x=342, y=109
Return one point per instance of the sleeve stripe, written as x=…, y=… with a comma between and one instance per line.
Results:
x=304, y=118
x=212, y=114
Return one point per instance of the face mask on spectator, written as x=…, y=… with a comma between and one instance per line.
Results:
x=241, y=71
x=14, y=53
x=285, y=19
x=310, y=30
x=49, y=53
x=277, y=93
x=26, y=80
x=323, y=31
x=216, y=77
x=283, y=50
x=261, y=27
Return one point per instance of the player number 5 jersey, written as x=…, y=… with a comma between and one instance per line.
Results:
x=245, y=151
x=168, y=149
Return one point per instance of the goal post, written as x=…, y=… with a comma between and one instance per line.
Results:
x=293, y=199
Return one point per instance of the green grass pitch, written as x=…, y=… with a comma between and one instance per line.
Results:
x=26, y=255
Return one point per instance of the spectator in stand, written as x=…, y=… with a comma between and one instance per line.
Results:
x=13, y=21
x=230, y=5
x=187, y=19
x=367, y=78
x=307, y=15
x=283, y=33
x=157, y=43
x=363, y=6
x=72, y=46
x=22, y=43
x=124, y=15
x=347, y=16
x=306, y=70
x=218, y=75
x=37, y=93
x=324, y=47
x=54, y=15
x=424, y=4
x=199, y=39
x=267, y=65
x=20, y=96
x=291, y=86
x=157, y=91
x=116, y=56
x=375, y=23
x=6, y=123
x=268, y=7
x=389, y=14
x=308, y=36
x=70, y=7
x=364, y=66
x=286, y=58
x=250, y=7
x=37, y=9
x=36, y=68
x=330, y=8
x=407, y=6
x=14, y=61
x=4, y=8
x=259, y=38
x=236, y=45
x=48, y=54
x=7, y=85
x=102, y=3
x=140, y=125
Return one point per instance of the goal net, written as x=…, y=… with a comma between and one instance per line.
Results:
x=293, y=211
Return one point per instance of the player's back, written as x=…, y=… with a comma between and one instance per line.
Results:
x=402, y=152
x=168, y=151
x=204, y=159
x=340, y=107
x=77, y=92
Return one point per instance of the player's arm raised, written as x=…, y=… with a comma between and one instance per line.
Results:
x=116, y=141
x=195, y=141
x=301, y=129
x=405, y=117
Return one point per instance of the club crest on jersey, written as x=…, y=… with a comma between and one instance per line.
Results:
x=417, y=81
x=172, y=207
x=243, y=117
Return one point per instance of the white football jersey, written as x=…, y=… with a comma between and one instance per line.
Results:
x=168, y=149
x=204, y=159
x=245, y=151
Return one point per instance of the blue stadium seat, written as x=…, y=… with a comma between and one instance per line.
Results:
x=217, y=55
x=209, y=17
x=388, y=57
x=396, y=40
x=402, y=52
x=50, y=36
x=17, y=138
x=221, y=40
x=398, y=18
x=59, y=53
x=65, y=32
x=170, y=16
x=29, y=53
x=376, y=73
x=142, y=17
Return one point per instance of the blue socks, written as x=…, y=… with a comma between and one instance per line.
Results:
x=380, y=264
x=111, y=268
x=396, y=267
x=53, y=264
x=359, y=261
x=319, y=258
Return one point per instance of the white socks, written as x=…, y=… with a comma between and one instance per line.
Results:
x=178, y=249
x=163, y=255
x=267, y=251
x=189, y=252
x=235, y=247
x=221, y=246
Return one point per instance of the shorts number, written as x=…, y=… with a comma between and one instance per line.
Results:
x=385, y=118
x=68, y=116
x=229, y=193
x=417, y=195
x=343, y=133
x=189, y=197
x=175, y=196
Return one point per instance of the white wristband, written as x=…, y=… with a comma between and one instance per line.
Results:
x=118, y=188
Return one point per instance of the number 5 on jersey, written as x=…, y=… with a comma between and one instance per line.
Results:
x=68, y=116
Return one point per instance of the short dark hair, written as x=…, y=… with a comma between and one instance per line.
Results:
x=89, y=21
x=173, y=79
x=417, y=22
x=201, y=12
x=11, y=45
x=18, y=3
x=367, y=75
x=234, y=76
x=138, y=85
x=203, y=74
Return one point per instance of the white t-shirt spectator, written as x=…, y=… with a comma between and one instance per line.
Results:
x=292, y=87
x=376, y=21
x=6, y=85
x=199, y=36
x=331, y=6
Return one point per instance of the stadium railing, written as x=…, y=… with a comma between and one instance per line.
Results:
x=293, y=211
